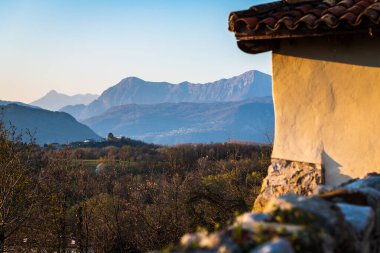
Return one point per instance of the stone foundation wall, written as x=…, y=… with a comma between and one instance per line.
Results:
x=286, y=177
x=331, y=220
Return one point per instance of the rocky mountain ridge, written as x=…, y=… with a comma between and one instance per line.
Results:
x=132, y=90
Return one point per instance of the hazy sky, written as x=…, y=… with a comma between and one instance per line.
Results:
x=86, y=46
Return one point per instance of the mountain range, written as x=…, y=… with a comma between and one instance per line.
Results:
x=173, y=123
x=54, y=101
x=132, y=90
x=239, y=108
x=45, y=126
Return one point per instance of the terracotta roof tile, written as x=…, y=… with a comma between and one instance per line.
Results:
x=268, y=21
x=295, y=13
x=286, y=21
x=363, y=4
x=304, y=8
x=337, y=10
x=356, y=9
x=349, y=17
x=373, y=15
x=346, y=3
x=280, y=14
x=329, y=19
x=297, y=18
x=308, y=20
x=316, y=12
x=251, y=22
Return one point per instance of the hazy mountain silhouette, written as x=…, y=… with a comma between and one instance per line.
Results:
x=172, y=123
x=4, y=102
x=46, y=126
x=53, y=100
x=74, y=110
x=132, y=90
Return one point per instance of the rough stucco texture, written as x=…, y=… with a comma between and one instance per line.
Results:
x=327, y=105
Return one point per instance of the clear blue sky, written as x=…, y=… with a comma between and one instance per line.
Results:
x=86, y=46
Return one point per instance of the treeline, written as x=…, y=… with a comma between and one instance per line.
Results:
x=141, y=198
x=110, y=141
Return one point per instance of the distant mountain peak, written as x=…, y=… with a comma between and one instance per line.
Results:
x=54, y=100
x=131, y=79
x=52, y=92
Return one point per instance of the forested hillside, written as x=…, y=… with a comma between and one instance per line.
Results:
x=121, y=199
x=45, y=126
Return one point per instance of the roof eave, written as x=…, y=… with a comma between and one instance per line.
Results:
x=257, y=46
x=259, y=43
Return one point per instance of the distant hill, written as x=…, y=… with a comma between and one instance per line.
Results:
x=4, y=102
x=47, y=126
x=54, y=101
x=172, y=123
x=74, y=110
x=132, y=90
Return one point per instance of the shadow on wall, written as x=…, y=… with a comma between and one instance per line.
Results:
x=354, y=50
x=333, y=175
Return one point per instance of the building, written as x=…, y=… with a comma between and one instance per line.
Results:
x=326, y=82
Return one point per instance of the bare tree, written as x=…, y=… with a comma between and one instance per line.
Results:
x=18, y=190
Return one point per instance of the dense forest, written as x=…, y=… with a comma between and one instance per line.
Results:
x=130, y=198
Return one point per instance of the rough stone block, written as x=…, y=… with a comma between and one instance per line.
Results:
x=318, y=212
x=205, y=242
x=371, y=180
x=276, y=246
x=361, y=219
x=253, y=217
x=286, y=177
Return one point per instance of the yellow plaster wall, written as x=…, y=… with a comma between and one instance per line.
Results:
x=327, y=105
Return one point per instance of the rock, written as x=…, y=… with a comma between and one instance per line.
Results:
x=204, y=242
x=357, y=195
x=211, y=241
x=278, y=245
x=343, y=195
x=369, y=181
x=189, y=240
x=361, y=218
x=373, y=199
x=251, y=232
x=352, y=193
x=248, y=233
x=345, y=218
x=320, y=189
x=313, y=211
x=289, y=177
x=228, y=247
x=253, y=217
x=259, y=227
x=100, y=167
